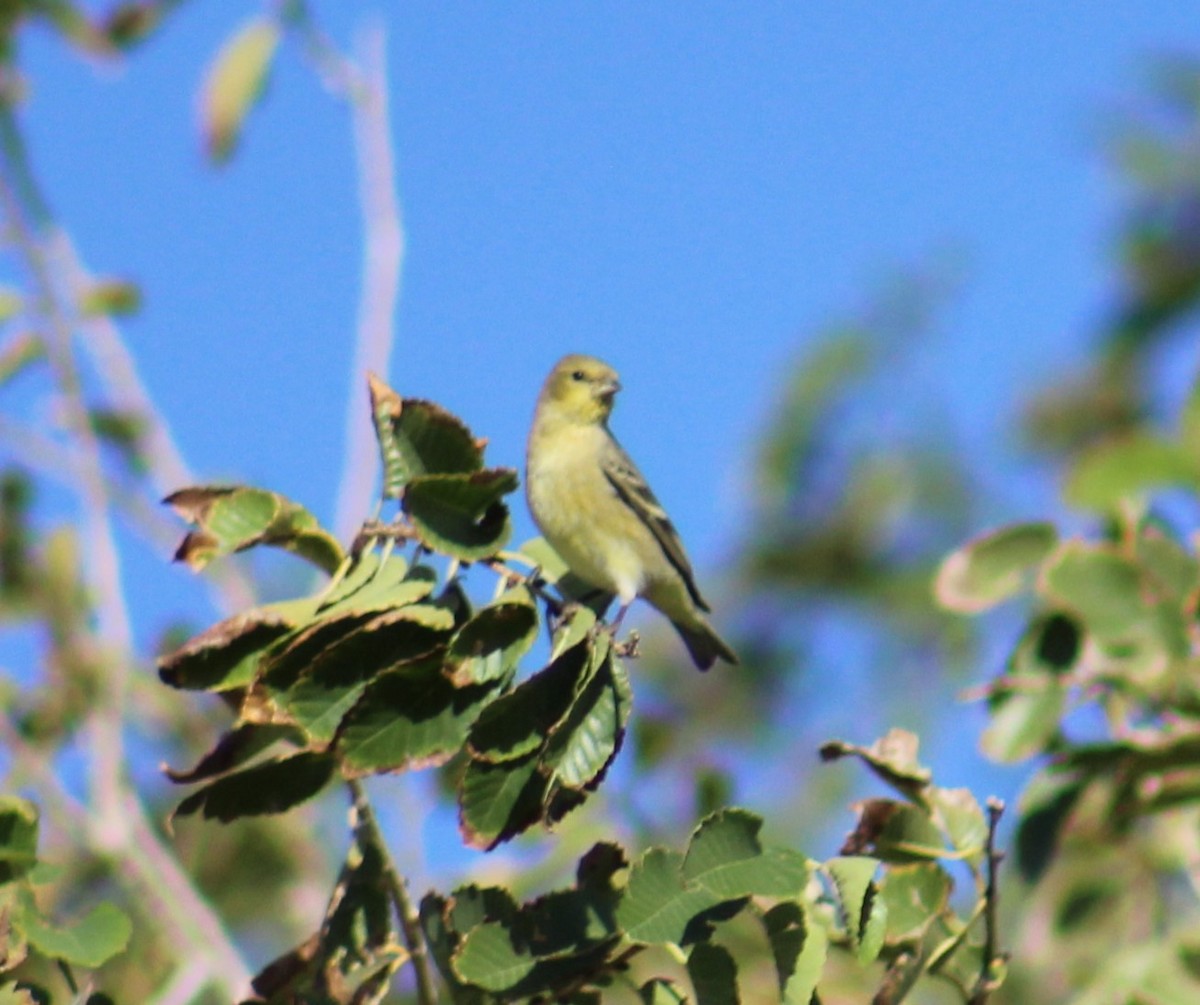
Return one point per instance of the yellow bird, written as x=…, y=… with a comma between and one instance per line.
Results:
x=595, y=509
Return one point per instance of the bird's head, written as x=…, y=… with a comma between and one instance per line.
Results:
x=581, y=389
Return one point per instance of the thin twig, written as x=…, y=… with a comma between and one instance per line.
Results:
x=363, y=84
x=406, y=913
x=986, y=982
x=116, y=823
x=23, y=211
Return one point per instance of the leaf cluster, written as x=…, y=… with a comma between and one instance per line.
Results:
x=27, y=935
x=1102, y=686
x=391, y=667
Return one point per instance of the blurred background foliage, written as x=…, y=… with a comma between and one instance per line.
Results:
x=861, y=491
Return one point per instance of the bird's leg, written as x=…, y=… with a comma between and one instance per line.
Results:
x=629, y=647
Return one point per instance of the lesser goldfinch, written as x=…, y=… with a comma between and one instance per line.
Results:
x=595, y=509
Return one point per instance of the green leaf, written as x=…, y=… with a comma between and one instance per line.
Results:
x=1173, y=567
x=660, y=991
x=714, y=974
x=1024, y=722
x=11, y=994
x=893, y=757
x=853, y=877
x=12, y=302
x=227, y=655
x=234, y=748
x=18, y=837
x=97, y=937
x=110, y=297
x=899, y=832
x=873, y=930
x=1045, y=807
x=273, y=786
x=461, y=515
x=498, y=801
x=486, y=957
x=432, y=441
x=235, y=82
x=371, y=585
x=657, y=904
x=726, y=857
x=799, y=945
x=408, y=719
x=234, y=518
x=386, y=407
x=19, y=353
x=915, y=895
x=993, y=567
x=406, y=637
x=518, y=723
x=1127, y=468
x=1102, y=587
x=577, y=624
x=582, y=746
x=960, y=816
x=489, y=646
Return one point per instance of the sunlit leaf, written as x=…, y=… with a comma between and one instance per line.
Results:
x=853, y=879
x=915, y=894
x=235, y=82
x=1129, y=467
x=726, y=857
x=233, y=518
x=799, y=945
x=1104, y=588
x=94, y=939
x=19, y=353
x=110, y=297
x=1024, y=722
x=498, y=801
x=893, y=757
x=658, y=905
x=487, y=958
x=960, y=815
x=462, y=515
x=418, y=438
x=489, y=646
x=993, y=567
x=897, y=832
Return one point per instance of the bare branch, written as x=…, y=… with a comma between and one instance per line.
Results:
x=410, y=925
x=992, y=958
x=383, y=257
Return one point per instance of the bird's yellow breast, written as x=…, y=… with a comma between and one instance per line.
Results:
x=580, y=514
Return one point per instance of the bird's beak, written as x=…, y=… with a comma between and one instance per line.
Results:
x=610, y=387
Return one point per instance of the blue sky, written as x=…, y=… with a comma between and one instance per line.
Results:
x=687, y=190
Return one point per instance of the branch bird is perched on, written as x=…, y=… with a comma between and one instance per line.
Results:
x=595, y=509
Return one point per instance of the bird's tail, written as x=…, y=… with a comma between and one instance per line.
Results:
x=704, y=644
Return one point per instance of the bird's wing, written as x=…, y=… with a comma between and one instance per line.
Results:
x=631, y=488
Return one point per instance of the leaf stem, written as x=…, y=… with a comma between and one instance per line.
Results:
x=406, y=913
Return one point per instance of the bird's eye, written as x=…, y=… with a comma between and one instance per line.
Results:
x=578, y=375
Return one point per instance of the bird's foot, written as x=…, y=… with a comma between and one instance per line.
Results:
x=629, y=647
